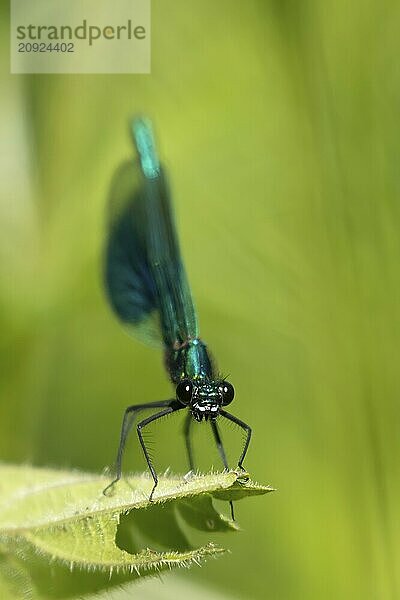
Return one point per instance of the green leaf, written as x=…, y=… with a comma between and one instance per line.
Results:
x=62, y=519
x=200, y=513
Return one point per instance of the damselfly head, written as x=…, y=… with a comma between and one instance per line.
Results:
x=205, y=398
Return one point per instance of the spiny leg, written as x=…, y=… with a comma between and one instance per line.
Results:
x=244, y=426
x=127, y=423
x=173, y=406
x=222, y=454
x=219, y=444
x=186, y=432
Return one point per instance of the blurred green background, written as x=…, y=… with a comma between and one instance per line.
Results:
x=279, y=123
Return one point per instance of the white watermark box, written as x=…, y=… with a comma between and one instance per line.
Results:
x=80, y=36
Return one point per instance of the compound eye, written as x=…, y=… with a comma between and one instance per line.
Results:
x=184, y=391
x=228, y=393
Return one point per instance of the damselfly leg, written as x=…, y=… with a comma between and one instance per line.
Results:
x=187, y=428
x=130, y=413
x=221, y=450
x=246, y=428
